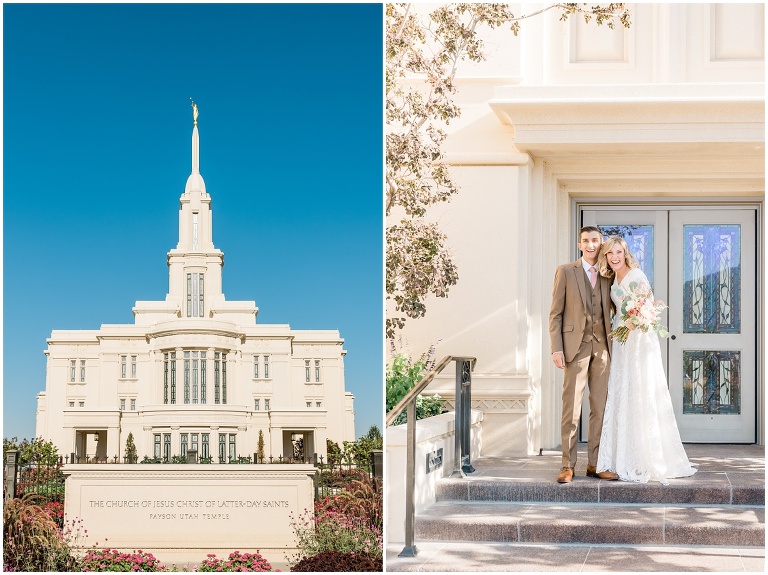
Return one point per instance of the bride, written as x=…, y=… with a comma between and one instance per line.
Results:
x=640, y=440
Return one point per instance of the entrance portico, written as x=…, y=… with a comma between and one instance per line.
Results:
x=92, y=434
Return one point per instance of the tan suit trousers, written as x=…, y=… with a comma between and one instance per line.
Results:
x=591, y=365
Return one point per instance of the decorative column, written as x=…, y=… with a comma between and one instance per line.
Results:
x=113, y=441
x=156, y=379
x=210, y=383
x=175, y=440
x=179, y=376
x=146, y=443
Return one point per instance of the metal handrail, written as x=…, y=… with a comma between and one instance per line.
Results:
x=424, y=382
x=462, y=465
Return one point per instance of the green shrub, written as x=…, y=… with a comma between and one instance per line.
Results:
x=403, y=373
x=260, y=447
x=148, y=459
x=46, y=480
x=334, y=452
x=359, y=452
x=426, y=406
x=37, y=451
x=131, y=455
x=337, y=561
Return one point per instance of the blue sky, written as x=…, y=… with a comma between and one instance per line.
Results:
x=97, y=129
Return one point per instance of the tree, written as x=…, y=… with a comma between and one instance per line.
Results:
x=334, y=452
x=38, y=450
x=359, y=452
x=374, y=433
x=130, y=449
x=260, y=447
x=417, y=259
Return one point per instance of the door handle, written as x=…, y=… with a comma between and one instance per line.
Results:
x=672, y=337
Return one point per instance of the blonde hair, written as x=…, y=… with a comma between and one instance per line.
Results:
x=602, y=261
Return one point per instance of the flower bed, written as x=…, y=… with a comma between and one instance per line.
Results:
x=236, y=562
x=114, y=560
x=343, y=532
x=336, y=561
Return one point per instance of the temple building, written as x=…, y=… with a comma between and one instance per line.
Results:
x=195, y=371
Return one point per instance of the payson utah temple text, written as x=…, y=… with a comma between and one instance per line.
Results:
x=195, y=371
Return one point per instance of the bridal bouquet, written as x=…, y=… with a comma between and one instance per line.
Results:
x=638, y=311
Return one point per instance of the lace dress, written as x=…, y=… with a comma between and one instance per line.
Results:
x=640, y=440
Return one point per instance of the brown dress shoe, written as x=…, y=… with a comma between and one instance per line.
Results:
x=607, y=475
x=566, y=475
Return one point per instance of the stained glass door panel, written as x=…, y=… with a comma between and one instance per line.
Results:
x=640, y=241
x=712, y=368
x=711, y=382
x=712, y=278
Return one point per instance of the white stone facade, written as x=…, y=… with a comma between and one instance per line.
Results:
x=569, y=122
x=194, y=371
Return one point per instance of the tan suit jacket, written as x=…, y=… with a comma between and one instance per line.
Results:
x=586, y=363
x=568, y=315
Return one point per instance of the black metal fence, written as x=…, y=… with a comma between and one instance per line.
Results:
x=189, y=458
x=42, y=476
x=45, y=477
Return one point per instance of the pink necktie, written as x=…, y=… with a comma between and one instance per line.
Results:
x=592, y=276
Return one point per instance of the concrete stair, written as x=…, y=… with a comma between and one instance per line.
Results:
x=517, y=500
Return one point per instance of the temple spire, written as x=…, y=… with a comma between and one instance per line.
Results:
x=195, y=140
x=195, y=181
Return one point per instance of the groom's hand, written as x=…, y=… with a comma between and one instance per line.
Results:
x=558, y=359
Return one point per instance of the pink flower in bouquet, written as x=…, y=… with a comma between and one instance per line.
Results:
x=638, y=311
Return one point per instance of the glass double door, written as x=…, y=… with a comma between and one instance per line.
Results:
x=703, y=263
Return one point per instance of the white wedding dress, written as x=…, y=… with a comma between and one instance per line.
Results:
x=640, y=440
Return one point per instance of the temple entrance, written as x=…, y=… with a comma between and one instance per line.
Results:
x=91, y=443
x=702, y=261
x=299, y=444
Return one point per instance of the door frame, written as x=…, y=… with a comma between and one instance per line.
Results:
x=579, y=204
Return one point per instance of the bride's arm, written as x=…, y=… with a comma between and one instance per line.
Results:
x=643, y=285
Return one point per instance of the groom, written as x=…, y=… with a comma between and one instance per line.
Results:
x=579, y=322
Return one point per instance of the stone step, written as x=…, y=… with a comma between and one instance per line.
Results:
x=603, y=523
x=704, y=488
x=473, y=557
